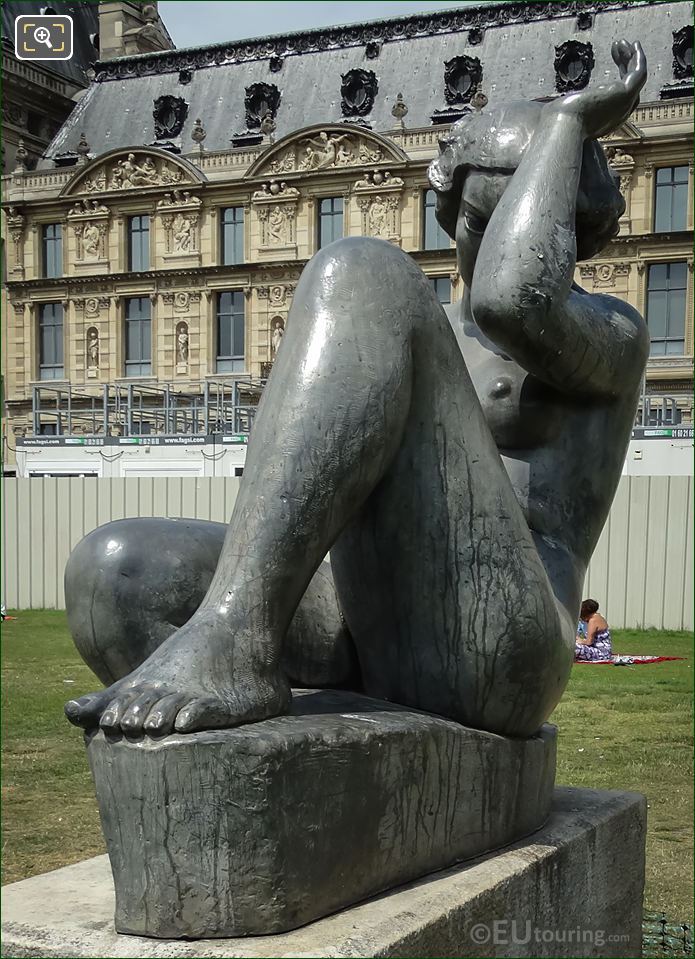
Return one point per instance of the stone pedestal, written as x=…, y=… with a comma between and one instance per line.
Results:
x=573, y=889
x=264, y=828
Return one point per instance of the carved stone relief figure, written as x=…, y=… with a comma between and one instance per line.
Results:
x=87, y=208
x=93, y=305
x=181, y=231
x=15, y=224
x=377, y=217
x=90, y=223
x=326, y=151
x=277, y=226
x=603, y=274
x=180, y=213
x=276, y=207
x=378, y=196
x=182, y=301
x=90, y=242
x=623, y=165
x=133, y=172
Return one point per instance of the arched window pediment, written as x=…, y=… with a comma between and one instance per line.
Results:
x=132, y=168
x=323, y=147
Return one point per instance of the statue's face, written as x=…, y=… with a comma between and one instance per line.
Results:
x=482, y=191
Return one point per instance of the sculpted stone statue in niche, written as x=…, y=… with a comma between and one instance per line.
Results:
x=182, y=343
x=439, y=456
x=277, y=331
x=93, y=347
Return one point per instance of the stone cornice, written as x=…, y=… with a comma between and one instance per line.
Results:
x=684, y=236
x=376, y=31
x=160, y=280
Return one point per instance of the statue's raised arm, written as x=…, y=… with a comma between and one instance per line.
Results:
x=525, y=234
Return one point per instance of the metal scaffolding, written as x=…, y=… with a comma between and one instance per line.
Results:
x=225, y=405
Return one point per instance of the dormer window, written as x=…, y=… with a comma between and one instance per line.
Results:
x=262, y=99
x=574, y=62
x=358, y=92
x=462, y=77
x=169, y=116
x=683, y=52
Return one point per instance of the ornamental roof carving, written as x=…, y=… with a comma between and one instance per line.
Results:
x=132, y=169
x=375, y=32
x=326, y=147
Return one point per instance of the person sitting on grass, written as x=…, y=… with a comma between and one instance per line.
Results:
x=593, y=635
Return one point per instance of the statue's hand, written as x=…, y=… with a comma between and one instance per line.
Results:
x=604, y=106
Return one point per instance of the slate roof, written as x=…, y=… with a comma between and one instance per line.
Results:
x=85, y=18
x=517, y=53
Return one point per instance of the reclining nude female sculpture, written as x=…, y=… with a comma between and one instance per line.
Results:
x=443, y=461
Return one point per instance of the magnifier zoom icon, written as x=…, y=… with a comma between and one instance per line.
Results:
x=43, y=35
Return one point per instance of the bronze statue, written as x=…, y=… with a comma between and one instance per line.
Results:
x=442, y=460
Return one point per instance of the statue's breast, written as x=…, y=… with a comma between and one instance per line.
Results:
x=521, y=411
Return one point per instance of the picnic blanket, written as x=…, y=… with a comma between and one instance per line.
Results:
x=624, y=659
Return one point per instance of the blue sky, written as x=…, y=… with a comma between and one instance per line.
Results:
x=195, y=22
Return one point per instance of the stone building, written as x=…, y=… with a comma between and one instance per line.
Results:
x=157, y=271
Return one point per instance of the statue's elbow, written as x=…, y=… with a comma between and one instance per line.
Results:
x=496, y=309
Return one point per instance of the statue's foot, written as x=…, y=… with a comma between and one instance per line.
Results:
x=199, y=678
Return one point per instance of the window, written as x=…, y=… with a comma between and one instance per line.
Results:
x=139, y=243
x=442, y=287
x=671, y=199
x=52, y=249
x=51, y=341
x=232, y=235
x=330, y=220
x=666, y=308
x=230, y=332
x=434, y=238
x=138, y=336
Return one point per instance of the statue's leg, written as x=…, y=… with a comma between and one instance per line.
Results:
x=330, y=422
x=443, y=585
x=130, y=584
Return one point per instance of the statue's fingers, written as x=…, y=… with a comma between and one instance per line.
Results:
x=637, y=73
x=624, y=57
x=615, y=53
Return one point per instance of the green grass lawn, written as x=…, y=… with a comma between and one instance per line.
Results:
x=620, y=728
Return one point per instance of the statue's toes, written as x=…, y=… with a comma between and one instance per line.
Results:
x=134, y=716
x=207, y=713
x=160, y=719
x=117, y=707
x=87, y=710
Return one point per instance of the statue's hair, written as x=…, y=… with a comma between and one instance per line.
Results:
x=495, y=141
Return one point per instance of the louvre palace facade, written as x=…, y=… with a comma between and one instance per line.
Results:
x=152, y=254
